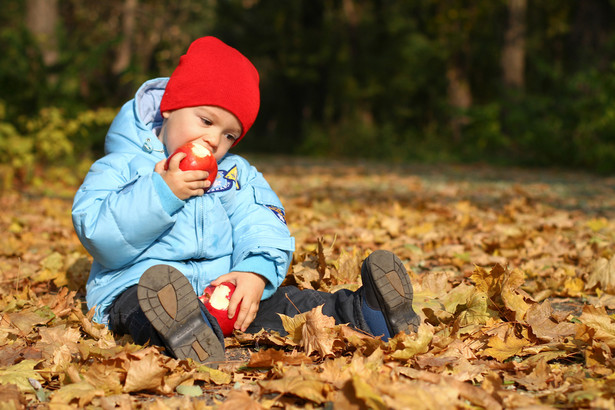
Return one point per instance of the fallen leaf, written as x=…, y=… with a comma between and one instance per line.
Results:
x=603, y=275
x=192, y=391
x=26, y=319
x=11, y=397
x=239, y=400
x=404, y=346
x=539, y=317
x=106, y=375
x=602, y=324
x=268, y=357
x=300, y=383
x=366, y=394
x=504, y=349
x=214, y=376
x=80, y=393
x=316, y=334
x=18, y=374
x=294, y=326
x=145, y=373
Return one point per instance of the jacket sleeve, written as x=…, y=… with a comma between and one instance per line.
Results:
x=259, y=227
x=117, y=213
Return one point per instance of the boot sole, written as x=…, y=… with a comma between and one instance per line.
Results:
x=387, y=275
x=171, y=305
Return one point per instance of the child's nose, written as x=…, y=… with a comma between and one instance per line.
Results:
x=213, y=139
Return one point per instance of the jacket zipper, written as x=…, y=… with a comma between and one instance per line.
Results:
x=200, y=227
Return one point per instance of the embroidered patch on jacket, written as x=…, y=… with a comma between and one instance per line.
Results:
x=279, y=212
x=224, y=180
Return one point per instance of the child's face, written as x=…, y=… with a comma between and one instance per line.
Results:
x=213, y=127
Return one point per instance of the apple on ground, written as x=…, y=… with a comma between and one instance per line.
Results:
x=216, y=299
x=198, y=157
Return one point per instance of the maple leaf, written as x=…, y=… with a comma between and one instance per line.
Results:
x=603, y=275
x=239, y=400
x=18, y=374
x=501, y=283
x=26, y=319
x=316, y=333
x=457, y=296
x=312, y=330
x=602, y=324
x=98, y=331
x=429, y=392
x=490, y=281
x=543, y=326
x=512, y=299
x=476, y=311
x=366, y=393
x=501, y=349
x=11, y=397
x=51, y=269
x=105, y=375
x=215, y=376
x=453, y=388
x=334, y=371
x=144, y=372
x=268, y=357
x=294, y=326
x=537, y=379
x=299, y=382
x=60, y=336
x=404, y=346
x=348, y=266
x=355, y=339
x=63, y=303
x=80, y=393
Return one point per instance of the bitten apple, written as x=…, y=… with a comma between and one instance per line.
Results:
x=198, y=157
x=216, y=299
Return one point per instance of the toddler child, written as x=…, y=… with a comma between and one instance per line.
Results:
x=160, y=236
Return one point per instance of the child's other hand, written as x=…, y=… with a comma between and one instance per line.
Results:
x=249, y=290
x=184, y=184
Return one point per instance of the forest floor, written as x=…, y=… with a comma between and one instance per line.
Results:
x=513, y=273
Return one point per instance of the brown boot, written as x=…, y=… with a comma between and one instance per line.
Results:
x=387, y=288
x=171, y=305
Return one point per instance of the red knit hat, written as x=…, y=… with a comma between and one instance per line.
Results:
x=213, y=73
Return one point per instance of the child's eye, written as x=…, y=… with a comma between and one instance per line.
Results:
x=231, y=137
x=206, y=121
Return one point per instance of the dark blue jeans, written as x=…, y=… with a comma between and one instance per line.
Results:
x=126, y=316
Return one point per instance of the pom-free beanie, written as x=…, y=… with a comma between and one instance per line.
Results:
x=213, y=73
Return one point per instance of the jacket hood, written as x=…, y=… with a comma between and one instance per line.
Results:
x=132, y=129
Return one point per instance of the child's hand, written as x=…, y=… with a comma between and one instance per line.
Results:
x=249, y=289
x=184, y=184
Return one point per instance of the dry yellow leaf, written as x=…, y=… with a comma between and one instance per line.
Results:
x=501, y=349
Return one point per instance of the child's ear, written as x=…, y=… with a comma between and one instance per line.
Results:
x=165, y=114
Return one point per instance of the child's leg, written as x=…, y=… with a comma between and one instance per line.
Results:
x=344, y=306
x=382, y=306
x=127, y=318
x=169, y=314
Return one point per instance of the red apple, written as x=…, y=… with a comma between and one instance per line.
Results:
x=198, y=157
x=216, y=299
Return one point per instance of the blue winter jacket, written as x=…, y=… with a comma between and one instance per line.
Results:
x=128, y=219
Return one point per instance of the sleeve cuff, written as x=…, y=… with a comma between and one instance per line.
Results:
x=257, y=264
x=169, y=201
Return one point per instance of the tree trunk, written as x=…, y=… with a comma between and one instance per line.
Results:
x=513, y=54
x=124, y=52
x=459, y=97
x=42, y=21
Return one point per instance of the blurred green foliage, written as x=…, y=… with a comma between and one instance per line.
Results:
x=338, y=78
x=34, y=142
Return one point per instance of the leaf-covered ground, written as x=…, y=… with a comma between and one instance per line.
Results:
x=514, y=277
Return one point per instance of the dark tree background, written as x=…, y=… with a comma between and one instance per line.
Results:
x=504, y=81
